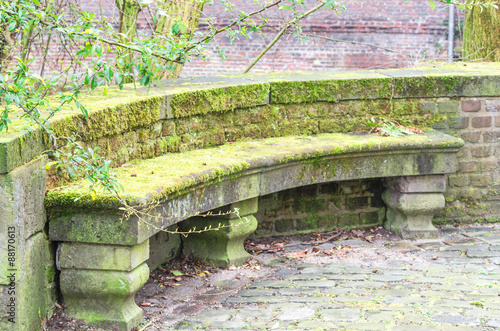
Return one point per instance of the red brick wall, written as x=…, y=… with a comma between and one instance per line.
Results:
x=409, y=28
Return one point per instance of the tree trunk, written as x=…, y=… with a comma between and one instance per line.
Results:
x=7, y=47
x=186, y=13
x=482, y=35
x=129, y=11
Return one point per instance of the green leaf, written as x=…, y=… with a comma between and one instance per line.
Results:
x=145, y=80
x=93, y=83
x=50, y=164
x=177, y=273
x=285, y=7
x=176, y=28
x=183, y=29
x=82, y=52
x=71, y=172
x=12, y=26
x=119, y=78
x=105, y=92
x=433, y=4
x=330, y=4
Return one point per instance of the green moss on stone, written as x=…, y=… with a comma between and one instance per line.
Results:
x=218, y=100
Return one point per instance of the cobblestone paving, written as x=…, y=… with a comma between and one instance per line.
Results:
x=459, y=289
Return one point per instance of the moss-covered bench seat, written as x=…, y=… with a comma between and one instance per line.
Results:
x=102, y=255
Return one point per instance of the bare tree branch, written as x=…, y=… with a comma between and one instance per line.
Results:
x=278, y=36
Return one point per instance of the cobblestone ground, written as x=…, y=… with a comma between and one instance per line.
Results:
x=449, y=284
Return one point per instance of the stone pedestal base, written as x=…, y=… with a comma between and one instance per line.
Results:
x=98, y=283
x=411, y=203
x=222, y=247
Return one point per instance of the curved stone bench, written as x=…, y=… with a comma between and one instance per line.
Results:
x=102, y=256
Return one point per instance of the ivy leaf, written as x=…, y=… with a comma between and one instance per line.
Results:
x=286, y=7
x=433, y=4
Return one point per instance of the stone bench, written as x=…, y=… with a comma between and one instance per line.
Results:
x=102, y=255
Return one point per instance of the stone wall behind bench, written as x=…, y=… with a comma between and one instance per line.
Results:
x=322, y=207
x=473, y=193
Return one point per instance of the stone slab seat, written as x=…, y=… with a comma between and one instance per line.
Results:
x=102, y=256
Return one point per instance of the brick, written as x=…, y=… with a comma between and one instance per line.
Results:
x=471, y=105
x=488, y=166
x=441, y=125
x=481, y=151
x=447, y=106
x=468, y=166
x=374, y=217
x=459, y=122
x=497, y=121
x=472, y=137
x=357, y=203
x=480, y=180
x=428, y=107
x=348, y=219
x=458, y=180
x=481, y=121
x=492, y=105
x=491, y=136
x=463, y=152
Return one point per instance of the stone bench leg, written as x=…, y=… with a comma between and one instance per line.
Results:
x=223, y=247
x=412, y=202
x=98, y=283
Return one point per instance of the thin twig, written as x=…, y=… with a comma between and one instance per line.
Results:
x=278, y=36
x=357, y=43
x=298, y=244
x=216, y=32
x=146, y=326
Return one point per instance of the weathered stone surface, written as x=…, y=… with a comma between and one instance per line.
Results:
x=34, y=289
x=417, y=184
x=409, y=215
x=104, y=298
x=24, y=244
x=19, y=148
x=102, y=257
x=295, y=314
x=222, y=247
x=21, y=200
x=341, y=314
x=163, y=247
x=297, y=88
x=243, y=171
x=239, y=209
